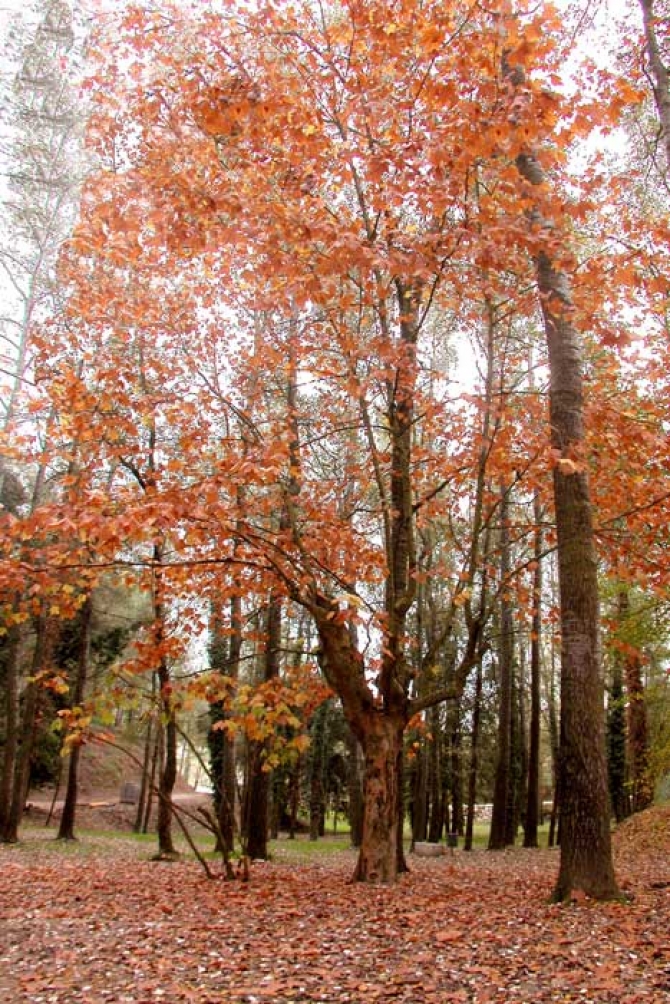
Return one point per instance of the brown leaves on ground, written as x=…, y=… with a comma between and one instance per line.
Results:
x=93, y=926
x=646, y=833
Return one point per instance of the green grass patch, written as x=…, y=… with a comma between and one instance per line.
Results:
x=303, y=847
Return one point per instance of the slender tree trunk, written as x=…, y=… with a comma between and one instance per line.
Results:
x=641, y=793
x=168, y=773
x=474, y=759
x=259, y=779
x=436, y=755
x=224, y=657
x=22, y=770
x=586, y=850
x=355, y=789
x=498, y=837
x=149, y=765
x=586, y=847
x=616, y=743
x=145, y=779
x=41, y=654
x=437, y=771
x=454, y=719
x=67, y=819
x=659, y=72
x=401, y=863
x=228, y=760
x=518, y=759
x=156, y=763
x=294, y=798
x=317, y=770
x=11, y=648
x=420, y=794
x=168, y=767
x=533, y=792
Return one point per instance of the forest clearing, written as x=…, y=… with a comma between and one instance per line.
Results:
x=98, y=923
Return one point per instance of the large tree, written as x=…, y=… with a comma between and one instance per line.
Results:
x=325, y=189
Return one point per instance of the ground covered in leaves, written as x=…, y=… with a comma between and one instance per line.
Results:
x=99, y=923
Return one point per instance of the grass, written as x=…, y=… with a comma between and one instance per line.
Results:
x=39, y=840
x=303, y=847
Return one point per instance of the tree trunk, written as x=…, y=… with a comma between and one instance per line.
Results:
x=586, y=852
x=437, y=787
x=168, y=772
x=419, y=793
x=659, y=73
x=168, y=767
x=317, y=770
x=533, y=792
x=474, y=756
x=454, y=726
x=586, y=847
x=641, y=794
x=145, y=783
x=401, y=863
x=616, y=743
x=156, y=761
x=518, y=759
x=67, y=819
x=378, y=853
x=41, y=653
x=224, y=657
x=355, y=790
x=10, y=659
x=256, y=810
x=499, y=834
x=294, y=797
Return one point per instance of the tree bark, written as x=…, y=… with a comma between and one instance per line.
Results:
x=67, y=819
x=659, y=73
x=586, y=846
x=586, y=851
x=474, y=759
x=499, y=834
x=168, y=768
x=259, y=778
x=641, y=793
x=26, y=735
x=419, y=794
x=10, y=659
x=436, y=771
x=531, y=818
x=616, y=744
x=355, y=790
x=224, y=657
x=382, y=748
x=146, y=770
x=317, y=770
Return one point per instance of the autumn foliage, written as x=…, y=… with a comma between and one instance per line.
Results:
x=304, y=226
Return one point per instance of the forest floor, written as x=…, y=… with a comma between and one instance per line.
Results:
x=97, y=922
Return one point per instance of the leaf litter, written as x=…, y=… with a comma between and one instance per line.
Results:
x=110, y=927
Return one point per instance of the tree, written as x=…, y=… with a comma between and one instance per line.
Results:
x=533, y=794
x=349, y=177
x=586, y=852
x=44, y=169
x=657, y=53
x=502, y=802
x=82, y=626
